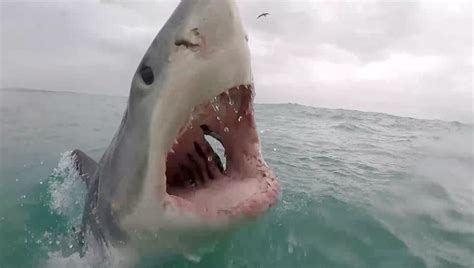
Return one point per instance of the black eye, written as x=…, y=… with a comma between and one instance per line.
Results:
x=147, y=75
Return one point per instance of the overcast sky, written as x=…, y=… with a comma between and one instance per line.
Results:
x=407, y=58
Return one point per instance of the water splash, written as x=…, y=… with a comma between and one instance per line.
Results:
x=67, y=190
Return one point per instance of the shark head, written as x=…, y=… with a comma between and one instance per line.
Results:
x=161, y=174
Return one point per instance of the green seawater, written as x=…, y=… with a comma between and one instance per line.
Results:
x=359, y=189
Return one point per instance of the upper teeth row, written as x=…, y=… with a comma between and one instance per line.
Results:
x=215, y=105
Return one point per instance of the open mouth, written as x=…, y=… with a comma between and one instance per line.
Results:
x=215, y=166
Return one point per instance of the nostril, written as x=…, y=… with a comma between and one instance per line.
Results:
x=187, y=44
x=195, y=31
x=147, y=75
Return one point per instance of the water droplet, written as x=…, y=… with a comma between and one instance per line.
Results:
x=215, y=104
x=26, y=240
x=41, y=182
x=41, y=162
x=218, y=118
x=231, y=102
x=262, y=131
x=209, y=158
x=16, y=179
x=226, y=129
x=274, y=149
x=23, y=196
x=57, y=242
x=70, y=246
x=239, y=119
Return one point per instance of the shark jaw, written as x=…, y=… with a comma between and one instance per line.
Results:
x=196, y=179
x=195, y=190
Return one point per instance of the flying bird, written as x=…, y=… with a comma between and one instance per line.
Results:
x=263, y=15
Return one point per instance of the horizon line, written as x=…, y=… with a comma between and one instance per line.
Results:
x=273, y=103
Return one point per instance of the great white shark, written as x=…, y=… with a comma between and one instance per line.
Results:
x=160, y=185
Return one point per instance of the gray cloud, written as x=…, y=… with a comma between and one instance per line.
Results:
x=406, y=58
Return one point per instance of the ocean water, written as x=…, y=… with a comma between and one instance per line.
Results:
x=359, y=189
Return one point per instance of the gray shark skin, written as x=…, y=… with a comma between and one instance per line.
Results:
x=160, y=186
